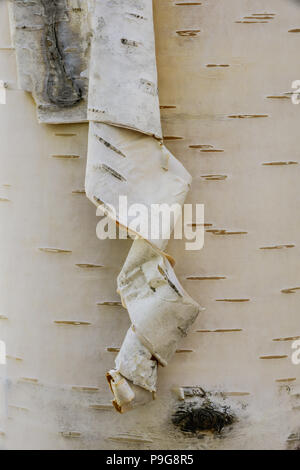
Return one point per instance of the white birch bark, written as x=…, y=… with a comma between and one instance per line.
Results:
x=218, y=72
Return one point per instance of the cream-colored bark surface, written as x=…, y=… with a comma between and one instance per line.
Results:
x=225, y=114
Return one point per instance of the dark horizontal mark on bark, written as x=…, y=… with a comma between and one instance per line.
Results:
x=252, y=22
x=247, y=116
x=278, y=97
x=201, y=146
x=279, y=163
x=109, y=303
x=136, y=16
x=30, y=28
x=72, y=323
x=290, y=338
x=66, y=157
x=214, y=177
x=225, y=232
x=212, y=150
x=54, y=250
x=290, y=290
x=172, y=137
x=89, y=266
x=79, y=191
x=188, y=4
x=189, y=32
x=110, y=146
x=276, y=247
x=166, y=106
x=129, y=42
x=113, y=172
x=258, y=17
x=205, y=278
x=232, y=330
x=291, y=379
x=217, y=65
x=284, y=356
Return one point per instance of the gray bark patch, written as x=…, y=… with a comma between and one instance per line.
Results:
x=52, y=41
x=62, y=88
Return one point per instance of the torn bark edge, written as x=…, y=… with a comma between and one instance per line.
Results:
x=121, y=390
x=125, y=398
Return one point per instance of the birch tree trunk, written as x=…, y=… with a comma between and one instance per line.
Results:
x=225, y=74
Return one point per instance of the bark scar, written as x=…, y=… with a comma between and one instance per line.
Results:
x=61, y=88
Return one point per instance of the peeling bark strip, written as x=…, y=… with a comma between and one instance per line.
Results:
x=123, y=75
x=62, y=88
x=125, y=89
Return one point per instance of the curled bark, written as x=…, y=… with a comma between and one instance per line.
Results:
x=124, y=113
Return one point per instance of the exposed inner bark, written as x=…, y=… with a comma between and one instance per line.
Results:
x=61, y=87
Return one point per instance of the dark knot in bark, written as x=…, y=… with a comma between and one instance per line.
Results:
x=191, y=417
